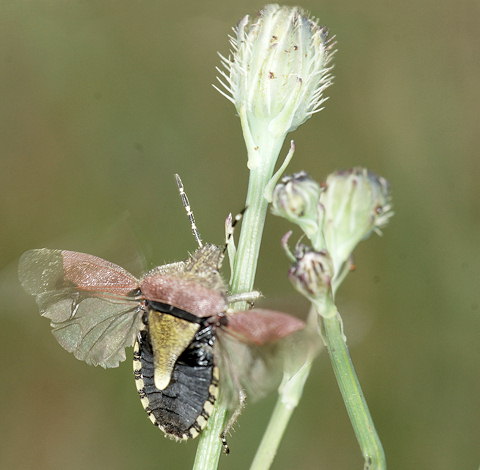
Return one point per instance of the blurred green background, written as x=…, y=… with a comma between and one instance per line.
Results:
x=102, y=102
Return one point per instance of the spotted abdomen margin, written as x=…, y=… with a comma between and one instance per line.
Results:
x=182, y=409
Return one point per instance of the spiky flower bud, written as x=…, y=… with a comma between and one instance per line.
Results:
x=296, y=199
x=356, y=202
x=312, y=275
x=278, y=69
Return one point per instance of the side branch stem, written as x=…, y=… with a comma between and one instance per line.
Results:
x=289, y=396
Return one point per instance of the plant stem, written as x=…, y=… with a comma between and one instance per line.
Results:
x=250, y=238
x=289, y=396
x=352, y=394
x=209, y=447
x=266, y=151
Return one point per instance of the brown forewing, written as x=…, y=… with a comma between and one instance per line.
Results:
x=88, y=300
x=90, y=273
x=261, y=326
x=255, y=350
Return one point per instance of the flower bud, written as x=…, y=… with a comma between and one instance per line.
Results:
x=278, y=69
x=356, y=202
x=312, y=275
x=296, y=199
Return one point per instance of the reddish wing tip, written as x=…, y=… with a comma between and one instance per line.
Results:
x=260, y=326
x=88, y=272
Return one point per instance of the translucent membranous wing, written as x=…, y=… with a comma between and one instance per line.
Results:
x=256, y=349
x=88, y=300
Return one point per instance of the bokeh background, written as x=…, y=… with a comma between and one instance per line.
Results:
x=102, y=102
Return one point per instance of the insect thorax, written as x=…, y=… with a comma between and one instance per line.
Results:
x=194, y=285
x=202, y=266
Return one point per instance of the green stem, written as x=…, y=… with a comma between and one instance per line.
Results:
x=209, y=448
x=245, y=266
x=265, y=151
x=289, y=396
x=352, y=394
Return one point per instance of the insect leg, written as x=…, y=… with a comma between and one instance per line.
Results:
x=230, y=224
x=232, y=420
x=249, y=297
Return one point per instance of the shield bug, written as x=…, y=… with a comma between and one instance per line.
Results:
x=187, y=343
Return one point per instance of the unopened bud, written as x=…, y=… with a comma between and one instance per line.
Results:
x=296, y=199
x=356, y=202
x=278, y=68
x=312, y=275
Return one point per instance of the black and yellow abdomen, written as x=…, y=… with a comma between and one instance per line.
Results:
x=181, y=410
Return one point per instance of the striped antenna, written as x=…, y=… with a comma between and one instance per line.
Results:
x=188, y=209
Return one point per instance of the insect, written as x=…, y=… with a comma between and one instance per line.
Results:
x=187, y=343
